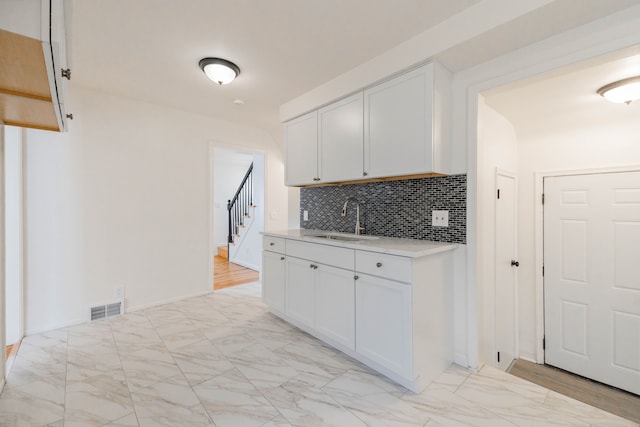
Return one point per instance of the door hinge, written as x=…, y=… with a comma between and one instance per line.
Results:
x=543, y=198
x=498, y=193
x=543, y=271
x=498, y=357
x=544, y=343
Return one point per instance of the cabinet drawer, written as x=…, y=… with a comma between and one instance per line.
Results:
x=392, y=267
x=323, y=254
x=273, y=244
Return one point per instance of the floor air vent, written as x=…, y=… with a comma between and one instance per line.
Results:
x=102, y=311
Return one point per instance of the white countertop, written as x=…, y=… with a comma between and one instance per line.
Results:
x=387, y=245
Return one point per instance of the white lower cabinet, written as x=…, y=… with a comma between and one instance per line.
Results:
x=335, y=305
x=300, y=291
x=383, y=323
x=391, y=312
x=273, y=280
x=321, y=297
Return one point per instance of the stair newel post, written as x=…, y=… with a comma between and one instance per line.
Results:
x=230, y=234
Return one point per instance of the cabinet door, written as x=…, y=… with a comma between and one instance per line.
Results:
x=301, y=150
x=300, y=287
x=335, y=305
x=398, y=119
x=341, y=147
x=273, y=280
x=383, y=323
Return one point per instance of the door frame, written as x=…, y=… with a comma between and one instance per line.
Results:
x=516, y=303
x=539, y=238
x=213, y=144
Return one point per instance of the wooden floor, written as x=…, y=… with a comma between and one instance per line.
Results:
x=610, y=399
x=11, y=352
x=227, y=274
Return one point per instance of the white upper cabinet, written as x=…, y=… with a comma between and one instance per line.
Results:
x=301, y=151
x=399, y=126
x=326, y=145
x=341, y=140
x=34, y=66
x=393, y=129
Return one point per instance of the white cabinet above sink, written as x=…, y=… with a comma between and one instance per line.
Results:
x=395, y=129
x=326, y=146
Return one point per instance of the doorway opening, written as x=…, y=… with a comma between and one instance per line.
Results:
x=238, y=215
x=14, y=227
x=535, y=134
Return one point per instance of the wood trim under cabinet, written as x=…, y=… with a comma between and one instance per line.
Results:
x=381, y=179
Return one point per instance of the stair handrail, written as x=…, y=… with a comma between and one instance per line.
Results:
x=242, y=197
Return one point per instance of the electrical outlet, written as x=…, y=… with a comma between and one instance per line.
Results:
x=440, y=218
x=118, y=292
x=305, y=215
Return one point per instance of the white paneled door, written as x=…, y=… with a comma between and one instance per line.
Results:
x=506, y=270
x=592, y=276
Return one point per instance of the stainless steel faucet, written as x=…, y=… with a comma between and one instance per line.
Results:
x=344, y=213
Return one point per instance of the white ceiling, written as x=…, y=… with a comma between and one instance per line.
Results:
x=149, y=49
x=567, y=98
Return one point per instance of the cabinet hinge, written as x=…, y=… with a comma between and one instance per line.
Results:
x=544, y=343
x=543, y=271
x=543, y=198
x=498, y=357
x=498, y=193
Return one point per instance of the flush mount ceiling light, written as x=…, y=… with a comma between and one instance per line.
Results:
x=219, y=70
x=625, y=90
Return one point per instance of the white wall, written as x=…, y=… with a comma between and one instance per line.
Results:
x=497, y=149
x=123, y=199
x=13, y=233
x=592, y=146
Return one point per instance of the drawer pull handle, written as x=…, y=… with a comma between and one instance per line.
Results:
x=313, y=266
x=356, y=277
x=281, y=258
x=379, y=264
x=271, y=244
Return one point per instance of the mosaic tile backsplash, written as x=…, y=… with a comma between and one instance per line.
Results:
x=391, y=208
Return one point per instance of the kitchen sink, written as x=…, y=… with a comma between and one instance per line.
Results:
x=345, y=237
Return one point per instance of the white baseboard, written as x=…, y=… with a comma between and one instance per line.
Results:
x=28, y=332
x=168, y=301
x=528, y=359
x=128, y=310
x=245, y=264
x=460, y=359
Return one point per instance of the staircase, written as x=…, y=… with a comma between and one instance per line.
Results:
x=240, y=208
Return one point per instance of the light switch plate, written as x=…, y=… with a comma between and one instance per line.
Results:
x=440, y=218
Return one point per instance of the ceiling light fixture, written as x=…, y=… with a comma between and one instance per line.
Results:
x=219, y=70
x=622, y=91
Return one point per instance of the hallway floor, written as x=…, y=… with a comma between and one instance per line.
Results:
x=227, y=274
x=224, y=360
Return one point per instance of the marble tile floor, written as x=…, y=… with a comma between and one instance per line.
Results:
x=224, y=360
